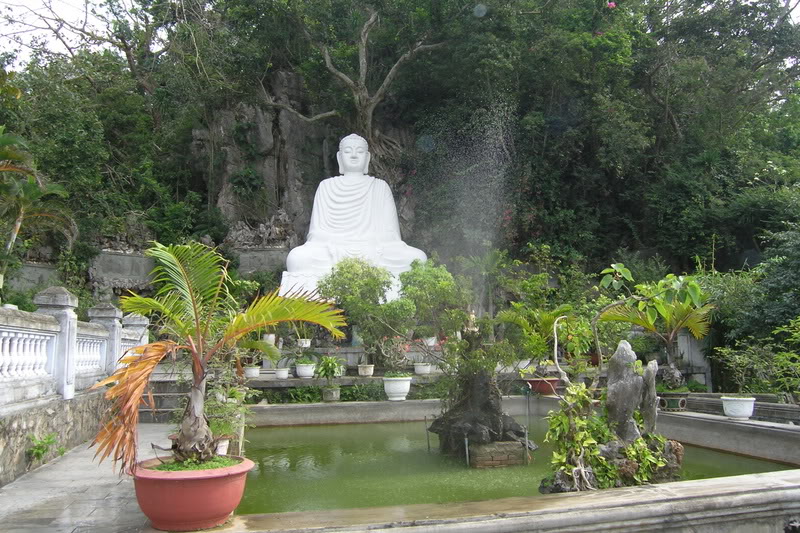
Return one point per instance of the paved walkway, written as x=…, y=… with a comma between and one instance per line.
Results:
x=75, y=494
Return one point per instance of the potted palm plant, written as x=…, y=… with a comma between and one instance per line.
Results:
x=198, y=317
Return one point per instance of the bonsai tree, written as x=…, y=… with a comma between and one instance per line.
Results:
x=360, y=289
x=198, y=317
x=438, y=301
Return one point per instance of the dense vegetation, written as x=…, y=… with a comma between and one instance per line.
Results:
x=585, y=128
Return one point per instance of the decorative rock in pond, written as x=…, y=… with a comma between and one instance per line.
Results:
x=649, y=407
x=624, y=392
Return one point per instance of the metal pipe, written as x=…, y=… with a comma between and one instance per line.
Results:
x=427, y=434
x=466, y=448
x=525, y=447
x=528, y=409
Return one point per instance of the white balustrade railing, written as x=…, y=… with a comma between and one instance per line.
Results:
x=52, y=352
x=89, y=354
x=24, y=354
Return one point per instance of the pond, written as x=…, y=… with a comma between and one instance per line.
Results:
x=369, y=465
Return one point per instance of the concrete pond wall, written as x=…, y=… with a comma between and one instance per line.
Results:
x=755, y=503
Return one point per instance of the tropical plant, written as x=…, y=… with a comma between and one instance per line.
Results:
x=664, y=309
x=328, y=368
x=27, y=200
x=199, y=317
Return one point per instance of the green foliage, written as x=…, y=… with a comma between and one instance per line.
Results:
x=41, y=446
x=435, y=294
x=576, y=433
x=749, y=364
x=646, y=459
x=359, y=289
x=329, y=367
x=218, y=461
x=370, y=392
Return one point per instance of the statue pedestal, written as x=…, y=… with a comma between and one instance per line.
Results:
x=307, y=282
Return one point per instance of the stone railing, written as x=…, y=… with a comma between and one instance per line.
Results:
x=50, y=351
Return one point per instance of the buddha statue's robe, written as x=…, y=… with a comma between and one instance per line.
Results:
x=352, y=216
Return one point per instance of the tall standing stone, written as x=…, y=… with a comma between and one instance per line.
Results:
x=624, y=392
x=649, y=406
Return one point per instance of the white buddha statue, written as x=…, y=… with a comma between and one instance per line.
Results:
x=354, y=215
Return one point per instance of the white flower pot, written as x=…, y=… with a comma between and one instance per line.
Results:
x=282, y=373
x=269, y=338
x=738, y=408
x=397, y=388
x=305, y=371
x=252, y=371
x=304, y=343
x=429, y=341
x=366, y=370
x=422, y=368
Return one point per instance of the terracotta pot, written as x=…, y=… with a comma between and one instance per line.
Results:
x=192, y=499
x=543, y=385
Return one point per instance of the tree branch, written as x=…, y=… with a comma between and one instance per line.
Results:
x=362, y=47
x=387, y=81
x=268, y=100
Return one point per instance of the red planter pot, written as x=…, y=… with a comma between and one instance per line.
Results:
x=192, y=499
x=543, y=385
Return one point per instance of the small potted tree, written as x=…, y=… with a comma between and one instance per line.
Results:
x=199, y=318
x=396, y=380
x=329, y=369
x=740, y=362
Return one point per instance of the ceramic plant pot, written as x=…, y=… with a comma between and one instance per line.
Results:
x=330, y=394
x=191, y=499
x=282, y=373
x=543, y=385
x=252, y=371
x=366, y=370
x=422, y=368
x=738, y=408
x=305, y=371
x=672, y=401
x=396, y=389
x=304, y=343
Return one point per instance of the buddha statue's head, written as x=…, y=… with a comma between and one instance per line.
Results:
x=353, y=155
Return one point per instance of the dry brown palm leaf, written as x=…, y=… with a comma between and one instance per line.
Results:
x=117, y=436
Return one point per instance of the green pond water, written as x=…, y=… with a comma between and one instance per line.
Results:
x=369, y=465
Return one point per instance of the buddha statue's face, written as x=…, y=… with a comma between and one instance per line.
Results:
x=353, y=157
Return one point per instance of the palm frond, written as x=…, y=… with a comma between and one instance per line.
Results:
x=696, y=319
x=195, y=272
x=117, y=435
x=624, y=313
x=271, y=309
